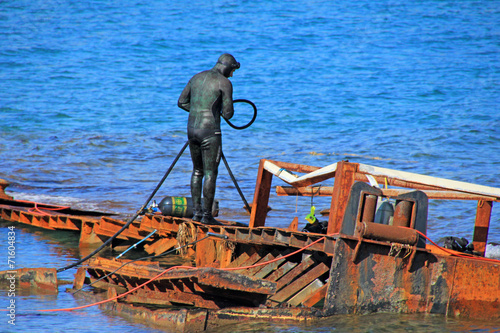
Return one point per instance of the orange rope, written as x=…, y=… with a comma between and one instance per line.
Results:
x=454, y=253
x=177, y=267
x=118, y=296
x=245, y=267
x=36, y=209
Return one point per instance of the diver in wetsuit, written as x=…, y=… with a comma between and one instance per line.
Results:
x=206, y=96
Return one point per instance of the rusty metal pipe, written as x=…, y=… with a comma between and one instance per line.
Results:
x=402, y=214
x=388, y=233
x=369, y=207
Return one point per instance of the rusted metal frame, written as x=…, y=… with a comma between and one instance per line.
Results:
x=147, y=297
x=104, y=228
x=15, y=215
x=143, y=269
x=210, y=277
x=481, y=226
x=300, y=240
x=33, y=220
x=344, y=179
x=170, y=297
x=238, y=315
x=166, y=224
x=262, y=235
x=376, y=282
x=475, y=291
x=437, y=283
x=170, y=320
x=104, y=285
x=361, y=176
x=67, y=222
x=233, y=298
x=386, y=233
x=5, y=213
x=261, y=197
x=391, y=193
x=199, y=320
x=107, y=224
x=283, y=292
x=274, y=236
x=268, y=235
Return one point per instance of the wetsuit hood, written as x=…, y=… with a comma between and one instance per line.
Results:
x=226, y=64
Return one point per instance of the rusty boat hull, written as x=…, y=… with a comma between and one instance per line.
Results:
x=258, y=272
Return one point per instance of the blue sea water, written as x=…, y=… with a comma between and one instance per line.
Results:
x=89, y=116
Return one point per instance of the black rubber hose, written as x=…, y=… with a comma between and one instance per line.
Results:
x=133, y=218
x=251, y=121
x=247, y=206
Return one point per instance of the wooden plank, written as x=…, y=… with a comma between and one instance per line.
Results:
x=250, y=261
x=306, y=293
x=316, y=297
x=252, y=271
x=270, y=267
x=297, y=285
x=296, y=271
x=254, y=259
x=238, y=261
x=295, y=167
x=284, y=269
x=429, y=180
x=305, y=180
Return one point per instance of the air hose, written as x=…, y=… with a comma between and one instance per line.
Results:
x=251, y=121
x=133, y=218
x=247, y=206
x=140, y=211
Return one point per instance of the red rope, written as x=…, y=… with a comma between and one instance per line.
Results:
x=37, y=210
x=246, y=267
x=177, y=267
x=454, y=253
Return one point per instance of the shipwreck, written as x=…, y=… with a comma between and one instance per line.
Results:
x=360, y=264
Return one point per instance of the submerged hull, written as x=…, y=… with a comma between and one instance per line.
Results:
x=254, y=272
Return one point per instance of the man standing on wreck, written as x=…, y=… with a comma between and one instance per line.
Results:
x=206, y=96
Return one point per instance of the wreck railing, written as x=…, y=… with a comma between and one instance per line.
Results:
x=347, y=173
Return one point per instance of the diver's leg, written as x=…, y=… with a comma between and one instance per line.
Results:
x=211, y=151
x=196, y=179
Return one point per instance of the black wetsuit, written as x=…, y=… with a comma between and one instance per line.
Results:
x=207, y=95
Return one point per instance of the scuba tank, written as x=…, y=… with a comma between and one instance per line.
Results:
x=182, y=207
x=385, y=213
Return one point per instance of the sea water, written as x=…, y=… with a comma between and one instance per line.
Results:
x=89, y=116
